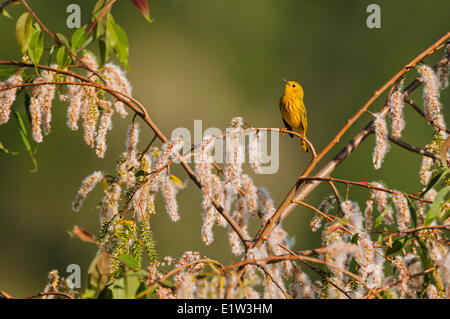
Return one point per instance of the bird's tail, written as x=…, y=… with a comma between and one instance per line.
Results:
x=304, y=146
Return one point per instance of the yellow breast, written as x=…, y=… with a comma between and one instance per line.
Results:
x=290, y=111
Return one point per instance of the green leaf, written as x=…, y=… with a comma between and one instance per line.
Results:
x=63, y=39
x=427, y=262
x=24, y=31
x=435, y=180
x=396, y=246
x=355, y=238
x=121, y=49
x=116, y=39
x=98, y=275
x=380, y=218
x=126, y=286
x=435, y=209
x=446, y=214
x=104, y=51
x=412, y=211
x=5, y=13
x=63, y=58
x=25, y=140
x=36, y=46
x=96, y=12
x=79, y=39
x=176, y=180
x=6, y=151
x=130, y=261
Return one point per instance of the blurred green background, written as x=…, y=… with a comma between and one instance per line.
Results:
x=214, y=60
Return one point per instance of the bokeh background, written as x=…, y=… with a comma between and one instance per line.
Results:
x=214, y=60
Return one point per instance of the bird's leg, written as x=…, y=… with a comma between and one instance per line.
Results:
x=283, y=131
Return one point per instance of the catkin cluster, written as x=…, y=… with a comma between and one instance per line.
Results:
x=87, y=103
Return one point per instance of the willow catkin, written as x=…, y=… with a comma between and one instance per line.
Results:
x=368, y=213
x=75, y=93
x=116, y=79
x=396, y=104
x=381, y=141
x=47, y=94
x=169, y=191
x=443, y=68
x=110, y=202
x=203, y=168
x=266, y=203
x=87, y=186
x=431, y=95
x=255, y=151
x=131, y=144
x=403, y=214
x=105, y=125
x=381, y=198
x=36, y=121
x=302, y=286
x=7, y=97
x=209, y=217
x=250, y=194
x=425, y=171
x=240, y=216
x=234, y=152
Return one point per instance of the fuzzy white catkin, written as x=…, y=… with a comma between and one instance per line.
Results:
x=87, y=186
x=431, y=95
x=234, y=152
x=266, y=203
x=443, y=69
x=105, y=125
x=36, y=121
x=381, y=141
x=240, y=216
x=131, y=144
x=209, y=217
x=251, y=194
x=7, y=97
x=47, y=96
x=255, y=151
x=89, y=114
x=382, y=203
x=110, y=203
x=403, y=214
x=75, y=93
x=396, y=112
x=116, y=79
x=368, y=214
x=425, y=172
x=169, y=191
x=352, y=213
x=203, y=168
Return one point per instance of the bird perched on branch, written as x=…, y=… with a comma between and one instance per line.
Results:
x=293, y=110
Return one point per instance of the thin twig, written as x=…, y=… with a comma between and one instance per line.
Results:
x=50, y=293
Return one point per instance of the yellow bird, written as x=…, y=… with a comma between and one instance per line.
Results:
x=293, y=110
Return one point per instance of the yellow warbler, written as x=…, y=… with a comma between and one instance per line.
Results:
x=293, y=110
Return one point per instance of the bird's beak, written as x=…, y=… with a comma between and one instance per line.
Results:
x=285, y=81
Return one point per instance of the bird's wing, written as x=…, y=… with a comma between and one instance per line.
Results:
x=288, y=127
x=303, y=118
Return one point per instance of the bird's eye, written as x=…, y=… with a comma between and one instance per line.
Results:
x=293, y=85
